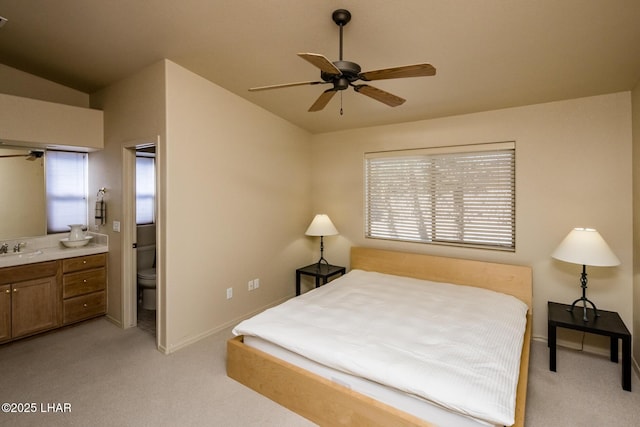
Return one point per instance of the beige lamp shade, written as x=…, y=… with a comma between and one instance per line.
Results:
x=587, y=247
x=321, y=226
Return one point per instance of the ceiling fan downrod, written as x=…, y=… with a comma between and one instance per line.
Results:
x=341, y=17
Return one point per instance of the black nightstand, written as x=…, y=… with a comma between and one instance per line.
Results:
x=319, y=271
x=608, y=323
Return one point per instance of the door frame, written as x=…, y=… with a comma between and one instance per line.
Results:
x=129, y=238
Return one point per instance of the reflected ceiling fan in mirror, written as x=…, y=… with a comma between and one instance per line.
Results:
x=342, y=74
x=32, y=155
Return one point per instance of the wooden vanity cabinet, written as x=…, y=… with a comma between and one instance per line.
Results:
x=33, y=306
x=29, y=300
x=47, y=295
x=84, y=282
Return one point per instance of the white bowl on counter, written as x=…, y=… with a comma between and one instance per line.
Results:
x=76, y=243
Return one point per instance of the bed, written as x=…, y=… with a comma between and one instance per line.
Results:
x=327, y=399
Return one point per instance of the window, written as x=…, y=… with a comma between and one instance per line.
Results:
x=66, y=190
x=461, y=195
x=145, y=190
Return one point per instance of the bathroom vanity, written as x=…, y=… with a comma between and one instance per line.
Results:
x=51, y=287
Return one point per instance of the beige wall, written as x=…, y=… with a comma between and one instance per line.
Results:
x=19, y=83
x=635, y=102
x=39, y=113
x=134, y=111
x=36, y=123
x=573, y=168
x=237, y=205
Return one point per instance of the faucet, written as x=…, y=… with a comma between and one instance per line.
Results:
x=4, y=248
x=17, y=247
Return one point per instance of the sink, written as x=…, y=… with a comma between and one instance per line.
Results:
x=22, y=254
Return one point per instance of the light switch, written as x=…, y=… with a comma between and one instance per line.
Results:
x=116, y=226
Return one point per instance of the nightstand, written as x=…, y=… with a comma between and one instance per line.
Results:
x=608, y=323
x=322, y=272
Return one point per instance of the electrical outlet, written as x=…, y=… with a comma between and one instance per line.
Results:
x=229, y=293
x=253, y=284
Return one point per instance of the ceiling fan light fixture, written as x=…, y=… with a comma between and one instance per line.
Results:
x=341, y=83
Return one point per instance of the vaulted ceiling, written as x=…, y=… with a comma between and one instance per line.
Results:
x=489, y=54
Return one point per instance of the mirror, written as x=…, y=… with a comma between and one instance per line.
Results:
x=22, y=193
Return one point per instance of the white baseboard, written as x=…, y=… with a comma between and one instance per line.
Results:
x=115, y=321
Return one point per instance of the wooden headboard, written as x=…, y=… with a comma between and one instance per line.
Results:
x=509, y=279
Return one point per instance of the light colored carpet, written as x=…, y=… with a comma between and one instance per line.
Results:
x=111, y=376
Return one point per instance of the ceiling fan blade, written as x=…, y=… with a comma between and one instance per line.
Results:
x=379, y=95
x=255, y=89
x=416, y=70
x=323, y=100
x=321, y=62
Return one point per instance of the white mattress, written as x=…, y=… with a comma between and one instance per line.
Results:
x=408, y=403
x=456, y=346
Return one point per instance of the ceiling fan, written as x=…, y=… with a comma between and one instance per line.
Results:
x=342, y=74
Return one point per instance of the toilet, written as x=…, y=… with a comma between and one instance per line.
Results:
x=147, y=275
x=147, y=285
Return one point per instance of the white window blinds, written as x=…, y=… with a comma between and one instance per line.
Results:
x=66, y=190
x=145, y=190
x=453, y=195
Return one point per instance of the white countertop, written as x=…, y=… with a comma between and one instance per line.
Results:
x=49, y=248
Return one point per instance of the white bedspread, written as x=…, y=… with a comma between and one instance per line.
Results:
x=456, y=346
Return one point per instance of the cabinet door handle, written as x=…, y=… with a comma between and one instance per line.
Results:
x=85, y=280
x=15, y=290
x=8, y=291
x=84, y=305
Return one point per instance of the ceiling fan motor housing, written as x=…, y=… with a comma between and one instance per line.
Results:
x=349, y=72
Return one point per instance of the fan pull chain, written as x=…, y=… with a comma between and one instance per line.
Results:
x=341, y=112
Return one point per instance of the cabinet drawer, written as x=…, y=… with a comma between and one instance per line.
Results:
x=84, y=307
x=83, y=282
x=22, y=273
x=83, y=262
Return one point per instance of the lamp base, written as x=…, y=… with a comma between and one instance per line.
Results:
x=321, y=261
x=322, y=254
x=584, y=307
x=583, y=298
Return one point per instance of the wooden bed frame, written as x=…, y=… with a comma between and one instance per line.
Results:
x=329, y=404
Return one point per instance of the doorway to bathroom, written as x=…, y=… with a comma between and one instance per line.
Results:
x=140, y=199
x=145, y=246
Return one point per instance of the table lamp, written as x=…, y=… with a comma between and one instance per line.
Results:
x=587, y=247
x=321, y=226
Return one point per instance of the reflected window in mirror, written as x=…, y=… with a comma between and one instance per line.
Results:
x=66, y=190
